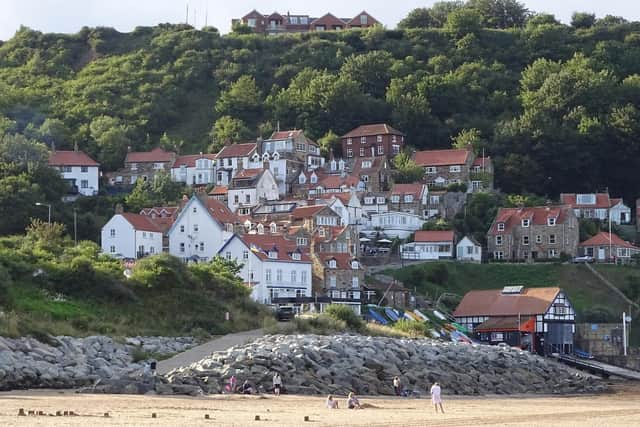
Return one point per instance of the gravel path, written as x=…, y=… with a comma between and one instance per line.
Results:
x=203, y=350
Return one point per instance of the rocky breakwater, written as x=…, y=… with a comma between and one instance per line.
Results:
x=66, y=362
x=311, y=364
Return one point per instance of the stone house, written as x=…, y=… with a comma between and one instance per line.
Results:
x=608, y=247
x=530, y=233
x=373, y=173
x=341, y=276
x=445, y=167
x=249, y=187
x=375, y=140
x=142, y=165
x=598, y=206
x=409, y=198
x=314, y=217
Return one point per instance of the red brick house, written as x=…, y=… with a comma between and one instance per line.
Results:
x=277, y=23
x=375, y=140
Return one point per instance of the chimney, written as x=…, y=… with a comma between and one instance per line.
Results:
x=119, y=209
x=75, y=146
x=53, y=146
x=128, y=148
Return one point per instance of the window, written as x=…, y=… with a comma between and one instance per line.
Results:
x=295, y=256
x=247, y=198
x=182, y=228
x=526, y=222
x=380, y=200
x=227, y=255
x=368, y=200
x=364, y=178
x=354, y=265
x=293, y=20
x=301, y=241
x=363, y=140
x=498, y=255
x=134, y=166
x=273, y=227
x=363, y=20
x=552, y=239
x=525, y=240
x=380, y=149
x=294, y=278
x=152, y=250
x=501, y=226
x=314, y=178
x=349, y=141
x=332, y=263
x=279, y=276
x=66, y=169
x=366, y=164
x=303, y=277
x=195, y=228
x=551, y=221
x=260, y=228
x=229, y=228
x=361, y=151
x=355, y=283
x=395, y=148
x=553, y=253
x=245, y=254
x=538, y=239
x=379, y=138
x=182, y=247
x=144, y=234
x=112, y=249
x=395, y=198
x=304, y=20
x=349, y=152
x=195, y=209
x=332, y=281
x=84, y=184
x=267, y=275
x=408, y=198
x=273, y=254
x=454, y=168
x=430, y=169
x=84, y=169
x=498, y=240
x=201, y=246
x=158, y=166
x=251, y=22
x=112, y=232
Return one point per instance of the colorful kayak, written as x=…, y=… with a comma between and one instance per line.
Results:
x=377, y=317
x=391, y=314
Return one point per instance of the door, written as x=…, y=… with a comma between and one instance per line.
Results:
x=600, y=254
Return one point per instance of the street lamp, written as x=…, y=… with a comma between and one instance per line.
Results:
x=47, y=205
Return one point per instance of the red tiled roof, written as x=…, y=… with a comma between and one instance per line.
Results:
x=284, y=134
x=236, y=150
x=538, y=215
x=356, y=20
x=155, y=155
x=248, y=173
x=328, y=20
x=434, y=236
x=374, y=129
x=376, y=163
x=414, y=189
x=141, y=222
x=602, y=201
x=190, y=160
x=337, y=181
x=441, y=157
x=478, y=161
x=306, y=211
x=343, y=260
x=219, y=190
x=71, y=158
x=267, y=242
x=220, y=211
x=493, y=303
x=602, y=239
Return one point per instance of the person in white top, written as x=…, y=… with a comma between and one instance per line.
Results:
x=277, y=384
x=435, y=397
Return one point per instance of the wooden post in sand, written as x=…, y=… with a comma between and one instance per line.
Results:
x=106, y=415
x=153, y=415
x=306, y=417
x=257, y=418
x=21, y=412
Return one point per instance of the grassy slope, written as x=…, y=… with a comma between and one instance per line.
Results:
x=582, y=287
x=171, y=313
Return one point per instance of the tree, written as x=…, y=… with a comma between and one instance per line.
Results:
x=112, y=141
x=55, y=133
x=243, y=100
x=330, y=145
x=24, y=155
x=583, y=20
x=418, y=18
x=45, y=236
x=157, y=192
x=18, y=196
x=500, y=13
x=371, y=70
x=463, y=21
x=467, y=139
x=227, y=130
x=407, y=171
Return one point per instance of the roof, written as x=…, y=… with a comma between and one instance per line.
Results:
x=285, y=134
x=220, y=211
x=344, y=197
x=306, y=211
x=236, y=150
x=602, y=239
x=219, y=190
x=71, y=158
x=479, y=160
x=441, y=157
x=602, y=201
x=493, y=302
x=190, y=160
x=414, y=189
x=267, y=242
x=507, y=323
x=434, y=236
x=343, y=259
x=376, y=164
x=141, y=222
x=374, y=129
x=328, y=19
x=155, y=155
x=337, y=181
x=471, y=239
x=538, y=215
x=248, y=173
x=355, y=21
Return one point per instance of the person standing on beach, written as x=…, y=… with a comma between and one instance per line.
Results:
x=277, y=384
x=397, y=387
x=436, y=399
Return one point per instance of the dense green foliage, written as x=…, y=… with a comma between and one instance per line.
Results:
x=50, y=285
x=556, y=105
x=347, y=315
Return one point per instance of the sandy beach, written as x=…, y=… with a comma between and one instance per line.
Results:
x=621, y=408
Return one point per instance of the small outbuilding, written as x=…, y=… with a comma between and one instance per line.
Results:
x=468, y=249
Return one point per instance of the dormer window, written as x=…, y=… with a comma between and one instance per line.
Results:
x=366, y=164
x=551, y=221
x=408, y=198
x=368, y=200
x=295, y=256
x=314, y=178
x=354, y=265
x=526, y=222
x=332, y=263
x=273, y=254
x=273, y=227
x=501, y=226
x=302, y=179
x=380, y=200
x=260, y=229
x=395, y=198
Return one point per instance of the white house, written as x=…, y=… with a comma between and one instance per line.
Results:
x=271, y=266
x=597, y=206
x=196, y=169
x=429, y=245
x=468, y=249
x=129, y=235
x=249, y=187
x=620, y=213
x=78, y=169
x=395, y=224
x=374, y=203
x=231, y=158
x=200, y=229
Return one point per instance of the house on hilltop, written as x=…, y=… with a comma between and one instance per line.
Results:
x=375, y=140
x=78, y=170
x=276, y=23
x=597, y=206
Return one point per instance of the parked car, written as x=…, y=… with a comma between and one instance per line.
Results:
x=583, y=259
x=284, y=314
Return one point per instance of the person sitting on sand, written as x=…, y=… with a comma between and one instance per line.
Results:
x=353, y=402
x=435, y=397
x=331, y=404
x=246, y=388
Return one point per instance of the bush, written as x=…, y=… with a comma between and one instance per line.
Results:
x=161, y=271
x=598, y=314
x=438, y=275
x=412, y=328
x=347, y=315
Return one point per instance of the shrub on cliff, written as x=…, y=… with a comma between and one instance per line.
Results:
x=345, y=314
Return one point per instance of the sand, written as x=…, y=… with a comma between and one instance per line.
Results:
x=621, y=408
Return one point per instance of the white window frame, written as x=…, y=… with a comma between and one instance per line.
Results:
x=499, y=240
x=455, y=169
x=501, y=226
x=431, y=170
x=526, y=222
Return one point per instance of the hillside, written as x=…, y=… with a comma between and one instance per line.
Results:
x=547, y=99
x=592, y=299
